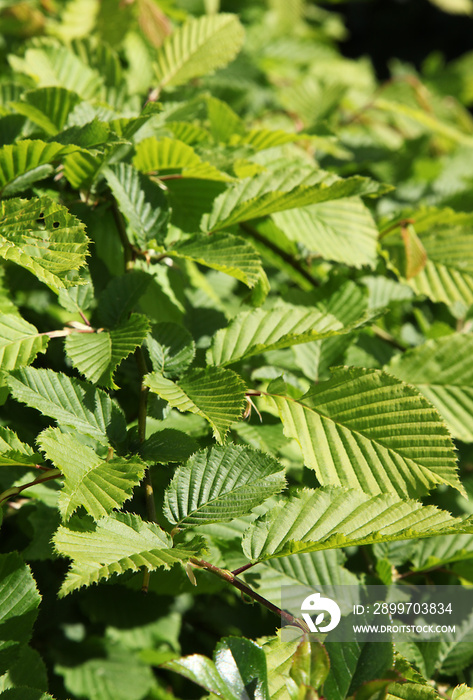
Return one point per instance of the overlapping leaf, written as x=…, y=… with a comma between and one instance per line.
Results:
x=141, y=201
x=71, y=402
x=224, y=252
x=15, y=452
x=20, y=342
x=198, y=47
x=368, y=430
x=25, y=162
x=446, y=238
x=442, y=370
x=216, y=394
x=43, y=237
x=165, y=157
x=115, y=544
x=97, y=355
x=333, y=517
x=171, y=348
x=253, y=332
x=280, y=190
x=220, y=484
x=47, y=107
x=121, y=295
x=343, y=230
x=94, y=483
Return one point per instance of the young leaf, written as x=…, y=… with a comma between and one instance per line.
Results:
x=442, y=370
x=141, y=201
x=199, y=47
x=71, y=402
x=333, y=517
x=97, y=355
x=41, y=236
x=89, y=481
x=115, y=544
x=172, y=157
x=253, y=332
x=216, y=394
x=20, y=342
x=367, y=430
x=48, y=107
x=279, y=190
x=25, y=162
x=220, y=484
x=224, y=252
x=171, y=349
x=354, y=663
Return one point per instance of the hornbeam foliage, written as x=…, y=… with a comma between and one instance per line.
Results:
x=236, y=331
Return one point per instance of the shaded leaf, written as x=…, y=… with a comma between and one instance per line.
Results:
x=171, y=349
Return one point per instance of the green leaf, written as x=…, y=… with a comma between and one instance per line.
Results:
x=224, y=252
x=41, y=236
x=220, y=484
x=20, y=342
x=199, y=47
x=216, y=394
x=71, y=402
x=15, y=452
x=442, y=370
x=283, y=189
x=333, y=517
x=239, y=664
x=19, y=599
x=166, y=157
x=117, y=674
x=439, y=551
x=168, y=445
x=82, y=168
x=447, y=240
x=47, y=107
x=171, y=349
x=116, y=544
x=141, y=201
x=253, y=332
x=56, y=65
x=25, y=162
x=97, y=355
x=367, y=430
x=121, y=295
x=343, y=230
x=355, y=663
x=98, y=485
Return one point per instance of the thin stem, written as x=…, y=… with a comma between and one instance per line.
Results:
x=236, y=572
x=387, y=337
x=142, y=413
x=295, y=264
x=230, y=578
x=127, y=249
x=15, y=490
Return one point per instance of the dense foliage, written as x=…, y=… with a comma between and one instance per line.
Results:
x=235, y=336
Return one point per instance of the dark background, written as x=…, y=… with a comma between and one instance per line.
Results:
x=406, y=29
